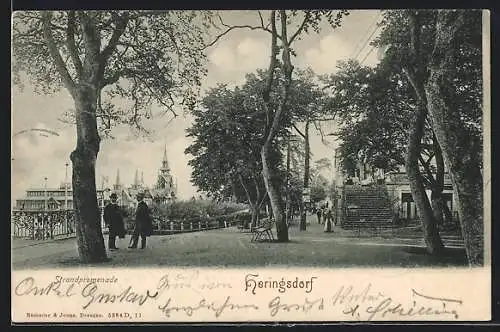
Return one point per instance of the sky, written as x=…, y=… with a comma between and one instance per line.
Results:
x=36, y=156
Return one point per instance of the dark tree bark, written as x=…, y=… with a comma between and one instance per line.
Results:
x=307, y=171
x=415, y=72
x=462, y=161
x=288, y=207
x=437, y=189
x=85, y=89
x=425, y=213
x=273, y=191
x=255, y=204
x=250, y=202
x=88, y=227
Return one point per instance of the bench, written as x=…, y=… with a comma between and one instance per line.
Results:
x=263, y=231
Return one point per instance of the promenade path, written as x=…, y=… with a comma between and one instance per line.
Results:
x=231, y=248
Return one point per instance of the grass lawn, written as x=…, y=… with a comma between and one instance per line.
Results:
x=231, y=248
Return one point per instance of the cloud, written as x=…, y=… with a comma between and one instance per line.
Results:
x=36, y=157
x=323, y=58
x=245, y=56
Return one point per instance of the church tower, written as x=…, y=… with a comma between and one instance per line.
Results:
x=165, y=182
x=117, y=186
x=164, y=163
x=136, y=180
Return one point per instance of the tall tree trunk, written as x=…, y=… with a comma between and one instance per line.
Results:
x=437, y=207
x=437, y=189
x=307, y=171
x=273, y=191
x=269, y=208
x=425, y=213
x=462, y=161
x=249, y=200
x=288, y=207
x=90, y=240
x=275, y=198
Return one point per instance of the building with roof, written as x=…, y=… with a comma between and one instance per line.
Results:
x=40, y=199
x=165, y=189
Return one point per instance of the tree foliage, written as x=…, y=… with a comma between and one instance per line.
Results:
x=373, y=107
x=465, y=91
x=99, y=57
x=229, y=130
x=143, y=58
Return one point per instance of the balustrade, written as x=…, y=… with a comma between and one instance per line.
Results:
x=42, y=225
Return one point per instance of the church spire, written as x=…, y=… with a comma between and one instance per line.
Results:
x=142, y=178
x=164, y=163
x=136, y=178
x=117, y=181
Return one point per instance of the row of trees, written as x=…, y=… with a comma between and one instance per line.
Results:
x=274, y=100
x=138, y=58
x=421, y=108
x=228, y=134
x=431, y=65
x=143, y=58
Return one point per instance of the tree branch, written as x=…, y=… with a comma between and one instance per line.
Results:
x=297, y=129
x=92, y=42
x=54, y=52
x=230, y=28
x=266, y=93
x=246, y=190
x=121, y=24
x=301, y=27
x=430, y=176
x=70, y=43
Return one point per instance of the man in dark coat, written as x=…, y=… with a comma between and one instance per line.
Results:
x=319, y=212
x=143, y=223
x=114, y=222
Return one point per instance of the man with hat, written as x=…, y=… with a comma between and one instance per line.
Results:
x=143, y=223
x=114, y=222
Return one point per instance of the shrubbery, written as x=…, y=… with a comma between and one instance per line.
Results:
x=199, y=210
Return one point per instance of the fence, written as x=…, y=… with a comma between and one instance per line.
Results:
x=42, y=225
x=193, y=225
x=161, y=226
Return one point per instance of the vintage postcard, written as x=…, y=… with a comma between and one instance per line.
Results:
x=250, y=166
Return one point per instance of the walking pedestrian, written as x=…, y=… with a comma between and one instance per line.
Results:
x=328, y=220
x=114, y=221
x=318, y=213
x=143, y=223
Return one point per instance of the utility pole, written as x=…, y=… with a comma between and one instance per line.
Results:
x=66, y=198
x=288, y=203
x=46, y=205
x=102, y=202
x=66, y=189
x=306, y=194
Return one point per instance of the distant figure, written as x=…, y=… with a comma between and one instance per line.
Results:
x=318, y=213
x=143, y=223
x=114, y=221
x=328, y=219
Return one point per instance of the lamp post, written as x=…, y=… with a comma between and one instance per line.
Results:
x=46, y=208
x=104, y=180
x=46, y=205
x=66, y=188
x=66, y=198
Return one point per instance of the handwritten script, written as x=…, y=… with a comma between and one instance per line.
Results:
x=186, y=295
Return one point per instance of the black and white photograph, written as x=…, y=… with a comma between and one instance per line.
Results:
x=250, y=139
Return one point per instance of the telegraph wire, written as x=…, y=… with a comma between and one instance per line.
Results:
x=367, y=54
x=356, y=49
x=369, y=38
